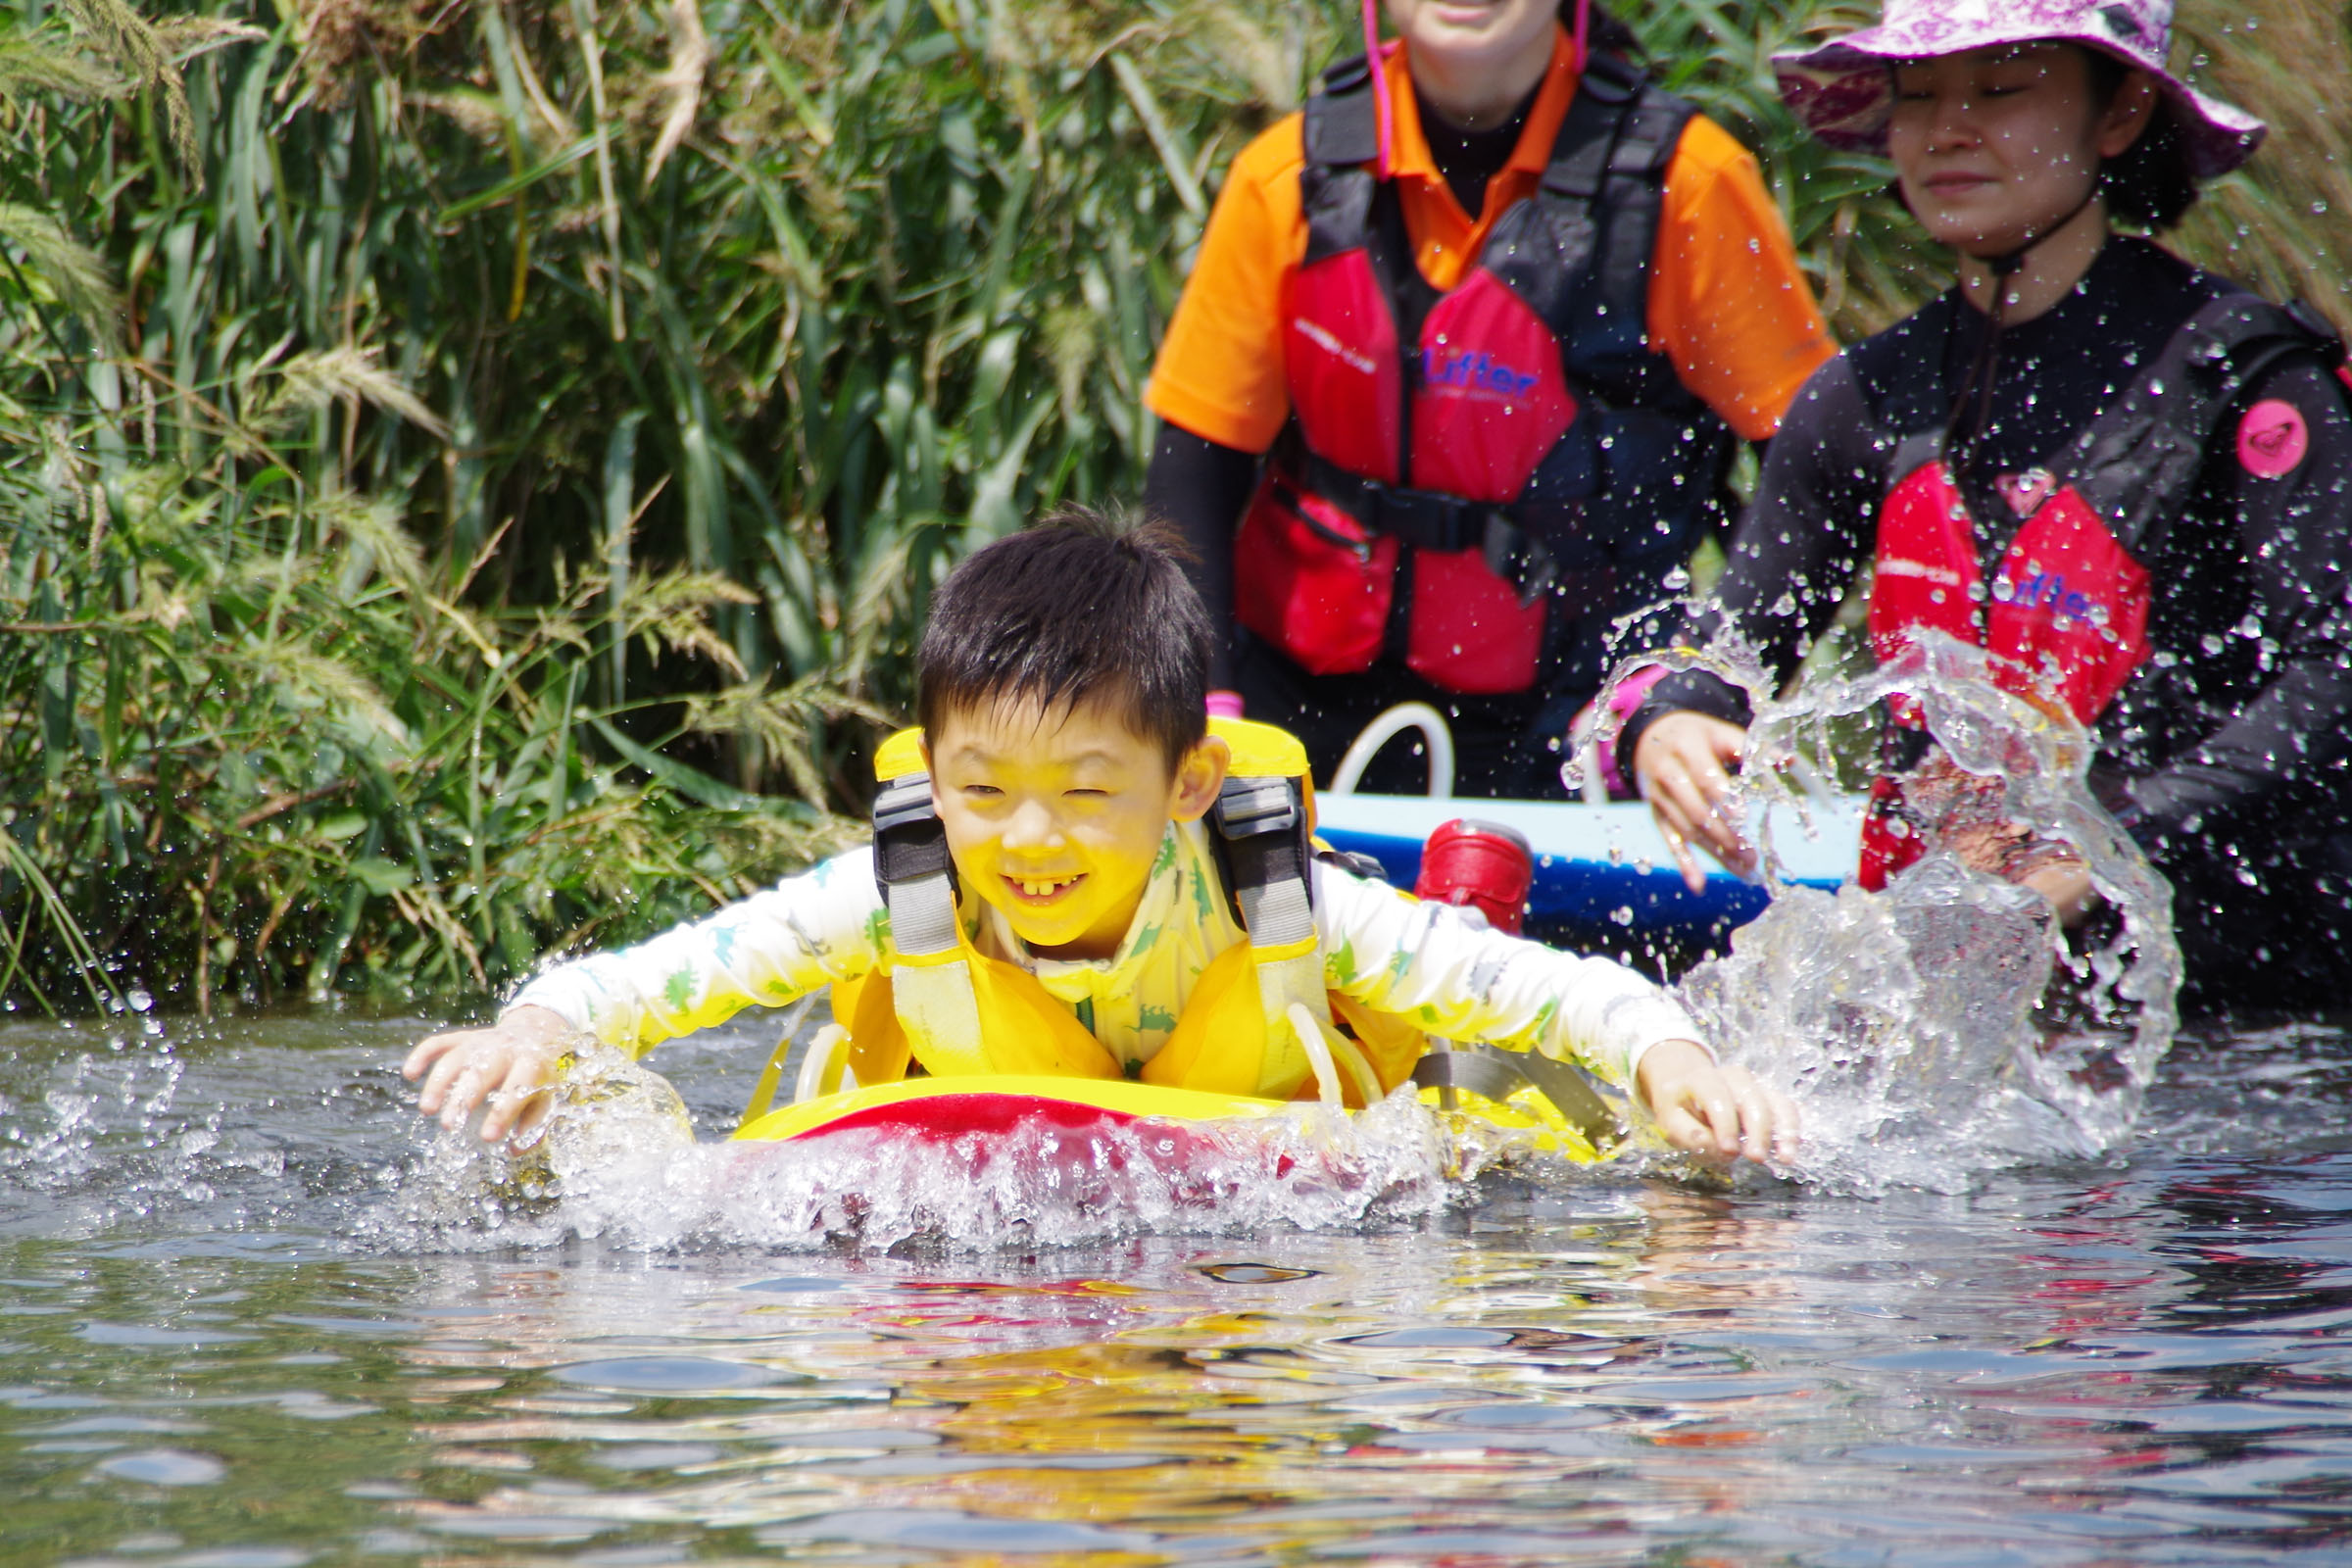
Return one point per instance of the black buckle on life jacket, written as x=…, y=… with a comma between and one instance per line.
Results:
x=909, y=841
x=1262, y=836
x=1431, y=519
x=1427, y=519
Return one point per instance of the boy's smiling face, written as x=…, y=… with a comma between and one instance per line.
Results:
x=1056, y=817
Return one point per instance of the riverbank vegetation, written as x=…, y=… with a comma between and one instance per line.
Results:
x=471, y=469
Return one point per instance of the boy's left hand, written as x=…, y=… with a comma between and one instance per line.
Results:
x=1715, y=1112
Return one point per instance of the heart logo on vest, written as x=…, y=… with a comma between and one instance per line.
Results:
x=2026, y=492
x=2272, y=438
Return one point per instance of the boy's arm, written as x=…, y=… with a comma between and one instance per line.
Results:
x=770, y=949
x=1425, y=962
x=773, y=948
x=1456, y=979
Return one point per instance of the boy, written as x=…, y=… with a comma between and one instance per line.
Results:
x=1061, y=685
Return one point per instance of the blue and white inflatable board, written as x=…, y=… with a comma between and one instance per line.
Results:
x=1602, y=871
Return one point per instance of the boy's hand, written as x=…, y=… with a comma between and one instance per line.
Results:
x=511, y=1063
x=1715, y=1112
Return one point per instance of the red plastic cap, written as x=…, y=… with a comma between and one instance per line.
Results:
x=1481, y=865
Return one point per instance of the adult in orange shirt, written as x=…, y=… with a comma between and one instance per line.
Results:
x=1462, y=452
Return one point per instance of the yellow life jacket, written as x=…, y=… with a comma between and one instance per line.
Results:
x=1259, y=1021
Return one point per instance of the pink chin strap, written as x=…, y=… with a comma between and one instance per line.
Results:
x=1380, y=70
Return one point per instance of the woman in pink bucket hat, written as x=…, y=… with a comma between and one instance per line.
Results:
x=2128, y=480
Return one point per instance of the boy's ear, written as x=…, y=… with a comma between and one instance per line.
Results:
x=1199, y=775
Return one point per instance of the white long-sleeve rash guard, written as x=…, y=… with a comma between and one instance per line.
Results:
x=1424, y=961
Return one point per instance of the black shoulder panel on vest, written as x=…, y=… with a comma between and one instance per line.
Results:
x=2138, y=462
x=1342, y=122
x=1636, y=202
x=1341, y=133
x=1914, y=449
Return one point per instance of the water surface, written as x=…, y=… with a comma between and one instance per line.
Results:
x=228, y=1341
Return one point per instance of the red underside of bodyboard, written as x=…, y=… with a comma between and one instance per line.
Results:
x=940, y=1117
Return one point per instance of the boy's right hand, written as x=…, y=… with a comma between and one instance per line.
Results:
x=1683, y=768
x=509, y=1063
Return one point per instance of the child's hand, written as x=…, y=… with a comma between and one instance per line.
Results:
x=511, y=1063
x=1715, y=1112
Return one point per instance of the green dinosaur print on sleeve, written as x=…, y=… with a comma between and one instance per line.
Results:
x=678, y=989
x=1149, y=1017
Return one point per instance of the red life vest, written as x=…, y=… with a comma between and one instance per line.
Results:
x=1473, y=480
x=2065, y=614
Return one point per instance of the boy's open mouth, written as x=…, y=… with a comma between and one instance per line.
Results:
x=1038, y=891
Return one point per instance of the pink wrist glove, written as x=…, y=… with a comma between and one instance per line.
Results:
x=1623, y=698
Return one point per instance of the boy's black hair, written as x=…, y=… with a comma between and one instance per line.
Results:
x=1081, y=607
x=2147, y=185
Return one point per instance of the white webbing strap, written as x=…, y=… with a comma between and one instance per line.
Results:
x=931, y=987
x=935, y=1000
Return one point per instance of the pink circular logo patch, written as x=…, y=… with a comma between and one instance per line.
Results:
x=2272, y=438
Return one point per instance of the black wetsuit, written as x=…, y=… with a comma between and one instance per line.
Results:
x=1203, y=487
x=2226, y=754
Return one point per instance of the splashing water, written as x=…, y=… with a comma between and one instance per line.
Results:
x=618, y=1160
x=1948, y=1026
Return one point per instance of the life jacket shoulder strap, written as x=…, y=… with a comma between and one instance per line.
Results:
x=2139, y=461
x=1338, y=190
x=1636, y=201
x=1913, y=452
x=1342, y=122
x=1265, y=833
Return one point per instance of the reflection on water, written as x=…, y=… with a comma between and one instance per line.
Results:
x=219, y=1348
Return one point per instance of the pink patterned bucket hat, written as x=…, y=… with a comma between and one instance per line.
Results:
x=1843, y=90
